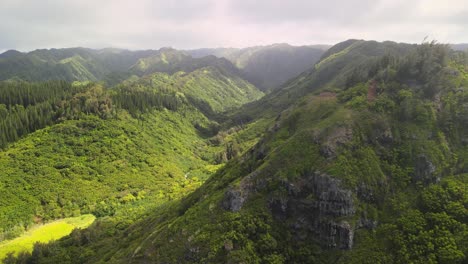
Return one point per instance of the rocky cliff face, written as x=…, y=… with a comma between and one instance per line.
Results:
x=313, y=205
x=235, y=197
x=233, y=200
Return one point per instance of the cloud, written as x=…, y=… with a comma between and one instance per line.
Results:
x=142, y=24
x=304, y=11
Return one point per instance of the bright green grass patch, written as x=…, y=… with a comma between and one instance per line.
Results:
x=44, y=233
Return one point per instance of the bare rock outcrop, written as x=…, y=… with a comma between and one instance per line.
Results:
x=313, y=205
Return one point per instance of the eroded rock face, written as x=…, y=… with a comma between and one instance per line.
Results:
x=336, y=234
x=424, y=170
x=235, y=197
x=233, y=200
x=316, y=207
x=312, y=206
x=332, y=200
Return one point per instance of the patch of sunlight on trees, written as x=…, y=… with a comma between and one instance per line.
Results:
x=44, y=233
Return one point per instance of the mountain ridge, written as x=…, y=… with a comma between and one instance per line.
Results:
x=331, y=172
x=269, y=66
x=360, y=158
x=114, y=65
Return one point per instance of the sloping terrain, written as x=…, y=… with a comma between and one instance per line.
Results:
x=268, y=67
x=72, y=64
x=340, y=67
x=171, y=61
x=373, y=173
x=80, y=148
x=213, y=89
x=360, y=159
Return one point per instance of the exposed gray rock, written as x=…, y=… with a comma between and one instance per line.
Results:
x=328, y=233
x=233, y=200
x=331, y=199
x=339, y=235
x=312, y=204
x=424, y=170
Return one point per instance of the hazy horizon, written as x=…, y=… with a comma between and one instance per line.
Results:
x=190, y=24
x=220, y=47
x=157, y=48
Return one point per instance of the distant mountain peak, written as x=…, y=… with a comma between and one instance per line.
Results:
x=268, y=67
x=10, y=53
x=165, y=49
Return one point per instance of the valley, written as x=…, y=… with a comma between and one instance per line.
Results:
x=358, y=154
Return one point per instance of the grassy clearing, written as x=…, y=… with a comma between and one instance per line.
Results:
x=44, y=233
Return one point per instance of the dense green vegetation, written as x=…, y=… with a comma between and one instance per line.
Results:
x=26, y=107
x=211, y=89
x=395, y=140
x=393, y=149
x=72, y=167
x=73, y=149
x=266, y=67
x=73, y=64
x=362, y=159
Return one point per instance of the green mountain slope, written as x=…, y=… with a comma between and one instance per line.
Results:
x=211, y=88
x=354, y=169
x=94, y=151
x=73, y=64
x=268, y=67
x=77, y=166
x=361, y=159
x=212, y=84
x=170, y=61
x=372, y=172
x=341, y=66
x=115, y=153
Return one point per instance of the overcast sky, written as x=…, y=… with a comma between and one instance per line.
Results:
x=145, y=24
